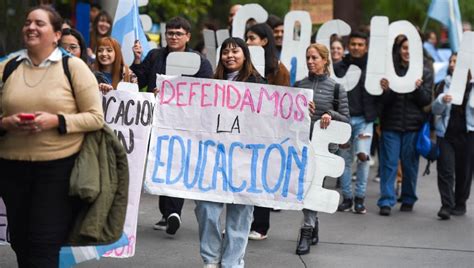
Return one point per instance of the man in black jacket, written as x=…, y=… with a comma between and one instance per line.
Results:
x=177, y=36
x=363, y=112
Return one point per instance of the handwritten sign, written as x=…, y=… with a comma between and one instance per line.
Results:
x=229, y=141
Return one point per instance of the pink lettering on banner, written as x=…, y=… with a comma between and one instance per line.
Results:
x=204, y=95
x=247, y=100
x=219, y=88
x=290, y=106
x=127, y=249
x=179, y=93
x=163, y=89
x=191, y=92
x=275, y=95
x=299, y=115
x=229, y=96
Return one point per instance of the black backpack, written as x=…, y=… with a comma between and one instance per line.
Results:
x=13, y=64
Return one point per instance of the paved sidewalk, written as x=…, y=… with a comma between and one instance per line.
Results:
x=405, y=239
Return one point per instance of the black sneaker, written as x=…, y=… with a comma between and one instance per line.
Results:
x=174, y=222
x=346, y=205
x=444, y=213
x=406, y=207
x=359, y=206
x=161, y=225
x=458, y=210
x=385, y=211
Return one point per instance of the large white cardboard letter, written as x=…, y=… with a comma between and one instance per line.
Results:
x=464, y=63
x=339, y=27
x=378, y=54
x=296, y=48
x=249, y=11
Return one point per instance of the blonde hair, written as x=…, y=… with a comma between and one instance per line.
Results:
x=323, y=51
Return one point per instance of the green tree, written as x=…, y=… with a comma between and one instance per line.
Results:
x=163, y=10
x=279, y=8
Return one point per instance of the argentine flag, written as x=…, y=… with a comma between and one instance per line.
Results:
x=127, y=28
x=447, y=12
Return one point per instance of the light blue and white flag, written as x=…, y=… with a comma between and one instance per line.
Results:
x=127, y=29
x=447, y=12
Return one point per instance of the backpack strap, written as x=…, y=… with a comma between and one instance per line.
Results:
x=10, y=67
x=335, y=100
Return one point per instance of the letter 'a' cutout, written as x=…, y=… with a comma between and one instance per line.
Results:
x=326, y=164
x=179, y=63
x=464, y=63
x=339, y=27
x=296, y=48
x=249, y=11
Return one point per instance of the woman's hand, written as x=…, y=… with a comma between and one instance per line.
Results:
x=105, y=88
x=325, y=121
x=137, y=52
x=418, y=83
x=447, y=98
x=15, y=124
x=45, y=121
x=156, y=91
x=312, y=108
x=384, y=84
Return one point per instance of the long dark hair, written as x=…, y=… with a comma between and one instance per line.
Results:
x=247, y=70
x=95, y=36
x=397, y=57
x=271, y=60
x=80, y=39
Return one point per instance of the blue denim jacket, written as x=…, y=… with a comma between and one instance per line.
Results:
x=442, y=111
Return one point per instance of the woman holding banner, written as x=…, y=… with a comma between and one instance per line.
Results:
x=235, y=65
x=110, y=63
x=276, y=73
x=401, y=117
x=329, y=103
x=43, y=119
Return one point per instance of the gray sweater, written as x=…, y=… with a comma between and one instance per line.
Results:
x=323, y=96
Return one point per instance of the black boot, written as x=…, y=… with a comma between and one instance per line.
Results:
x=315, y=234
x=304, y=243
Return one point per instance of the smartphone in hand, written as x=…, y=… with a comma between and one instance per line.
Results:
x=26, y=117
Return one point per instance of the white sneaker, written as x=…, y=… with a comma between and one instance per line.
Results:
x=254, y=235
x=161, y=225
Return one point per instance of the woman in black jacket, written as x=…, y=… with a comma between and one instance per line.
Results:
x=401, y=117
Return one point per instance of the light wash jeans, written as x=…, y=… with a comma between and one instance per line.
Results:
x=230, y=250
x=357, y=145
x=396, y=145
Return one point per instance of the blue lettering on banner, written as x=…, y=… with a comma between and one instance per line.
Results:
x=222, y=166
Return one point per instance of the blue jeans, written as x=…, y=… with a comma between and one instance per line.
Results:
x=357, y=145
x=230, y=250
x=396, y=145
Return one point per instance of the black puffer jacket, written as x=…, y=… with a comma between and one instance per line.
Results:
x=323, y=96
x=404, y=112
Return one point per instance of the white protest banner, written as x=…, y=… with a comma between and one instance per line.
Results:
x=339, y=27
x=231, y=142
x=130, y=115
x=464, y=64
x=3, y=224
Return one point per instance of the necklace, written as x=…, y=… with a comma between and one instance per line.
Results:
x=41, y=79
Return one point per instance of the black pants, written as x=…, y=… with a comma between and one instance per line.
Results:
x=39, y=210
x=261, y=220
x=169, y=205
x=455, y=167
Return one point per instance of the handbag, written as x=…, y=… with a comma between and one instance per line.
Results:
x=426, y=147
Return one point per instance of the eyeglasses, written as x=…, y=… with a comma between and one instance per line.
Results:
x=174, y=34
x=70, y=47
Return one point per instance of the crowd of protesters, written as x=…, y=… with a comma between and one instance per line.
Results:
x=41, y=136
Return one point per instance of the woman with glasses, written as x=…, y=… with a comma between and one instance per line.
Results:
x=73, y=42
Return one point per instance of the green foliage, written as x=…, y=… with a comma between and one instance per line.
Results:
x=279, y=8
x=413, y=11
x=162, y=10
